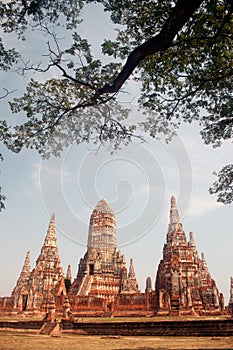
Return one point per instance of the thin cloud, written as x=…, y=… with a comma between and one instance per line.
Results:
x=201, y=205
x=47, y=173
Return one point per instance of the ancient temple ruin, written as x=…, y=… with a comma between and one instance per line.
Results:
x=102, y=272
x=104, y=286
x=183, y=282
x=230, y=305
x=37, y=289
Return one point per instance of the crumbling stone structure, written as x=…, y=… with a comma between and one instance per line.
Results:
x=183, y=282
x=102, y=272
x=37, y=289
x=230, y=305
x=104, y=286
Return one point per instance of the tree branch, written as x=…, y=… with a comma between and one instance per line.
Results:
x=7, y=92
x=76, y=81
x=181, y=14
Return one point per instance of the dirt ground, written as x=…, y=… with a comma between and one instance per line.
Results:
x=24, y=341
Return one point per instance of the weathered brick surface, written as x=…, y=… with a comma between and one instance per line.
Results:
x=158, y=328
x=104, y=286
x=163, y=328
x=39, y=289
x=102, y=271
x=22, y=324
x=183, y=282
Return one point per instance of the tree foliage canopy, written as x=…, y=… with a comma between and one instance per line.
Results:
x=179, y=52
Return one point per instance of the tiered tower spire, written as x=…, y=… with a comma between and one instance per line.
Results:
x=68, y=273
x=183, y=281
x=23, y=278
x=46, y=280
x=148, y=285
x=175, y=235
x=204, y=266
x=129, y=284
x=102, y=228
x=230, y=305
x=49, y=259
x=132, y=280
x=174, y=215
x=51, y=238
x=191, y=240
x=26, y=267
x=103, y=269
x=131, y=274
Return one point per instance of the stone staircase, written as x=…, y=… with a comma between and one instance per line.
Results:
x=85, y=286
x=50, y=328
x=175, y=307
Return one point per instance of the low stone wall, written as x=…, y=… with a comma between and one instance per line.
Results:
x=140, y=305
x=21, y=324
x=158, y=328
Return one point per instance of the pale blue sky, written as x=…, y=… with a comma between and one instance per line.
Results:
x=137, y=181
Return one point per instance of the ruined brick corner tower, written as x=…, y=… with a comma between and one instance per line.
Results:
x=183, y=282
x=36, y=290
x=20, y=292
x=230, y=305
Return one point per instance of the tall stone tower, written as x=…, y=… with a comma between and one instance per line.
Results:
x=20, y=292
x=103, y=269
x=183, y=282
x=102, y=228
x=230, y=305
x=37, y=289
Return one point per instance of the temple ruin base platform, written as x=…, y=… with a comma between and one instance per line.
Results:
x=200, y=327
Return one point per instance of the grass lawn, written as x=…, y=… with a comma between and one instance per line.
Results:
x=25, y=341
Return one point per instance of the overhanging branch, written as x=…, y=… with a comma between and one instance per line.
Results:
x=181, y=14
